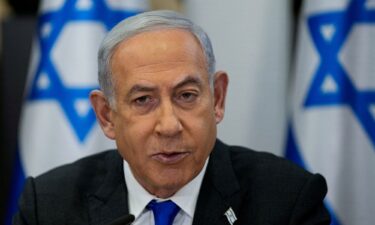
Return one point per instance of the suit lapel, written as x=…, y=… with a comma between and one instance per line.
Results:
x=109, y=201
x=220, y=189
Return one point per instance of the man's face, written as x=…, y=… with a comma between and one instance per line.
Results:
x=165, y=114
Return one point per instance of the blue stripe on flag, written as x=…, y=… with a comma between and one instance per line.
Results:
x=334, y=219
x=293, y=153
x=18, y=180
x=347, y=93
x=63, y=94
x=48, y=82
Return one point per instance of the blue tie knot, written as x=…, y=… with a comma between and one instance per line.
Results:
x=164, y=212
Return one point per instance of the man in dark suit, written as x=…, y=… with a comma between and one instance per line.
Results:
x=161, y=100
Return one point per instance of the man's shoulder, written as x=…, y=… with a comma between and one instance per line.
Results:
x=271, y=177
x=264, y=167
x=65, y=193
x=267, y=188
x=258, y=160
x=81, y=174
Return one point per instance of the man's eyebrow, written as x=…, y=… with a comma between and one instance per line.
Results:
x=140, y=88
x=194, y=80
x=189, y=80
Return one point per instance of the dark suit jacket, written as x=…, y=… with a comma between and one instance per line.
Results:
x=259, y=187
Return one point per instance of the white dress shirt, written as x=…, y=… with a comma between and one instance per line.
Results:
x=185, y=198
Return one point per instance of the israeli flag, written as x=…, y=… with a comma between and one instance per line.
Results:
x=58, y=124
x=332, y=127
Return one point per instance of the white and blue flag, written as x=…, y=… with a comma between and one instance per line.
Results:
x=332, y=126
x=58, y=124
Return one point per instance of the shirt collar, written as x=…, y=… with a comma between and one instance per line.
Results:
x=186, y=198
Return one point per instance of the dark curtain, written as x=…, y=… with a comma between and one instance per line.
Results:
x=24, y=7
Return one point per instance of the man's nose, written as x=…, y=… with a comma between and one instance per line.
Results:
x=168, y=124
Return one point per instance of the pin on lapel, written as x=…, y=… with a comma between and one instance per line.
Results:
x=231, y=216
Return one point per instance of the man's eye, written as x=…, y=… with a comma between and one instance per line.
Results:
x=188, y=97
x=143, y=100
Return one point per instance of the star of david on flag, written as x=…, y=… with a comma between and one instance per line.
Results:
x=58, y=124
x=332, y=126
x=67, y=81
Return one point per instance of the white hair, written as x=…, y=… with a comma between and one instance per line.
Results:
x=148, y=21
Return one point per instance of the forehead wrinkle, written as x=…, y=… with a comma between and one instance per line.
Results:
x=156, y=67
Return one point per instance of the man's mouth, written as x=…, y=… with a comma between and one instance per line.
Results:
x=170, y=158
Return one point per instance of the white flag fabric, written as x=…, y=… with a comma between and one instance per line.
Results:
x=332, y=128
x=252, y=42
x=58, y=124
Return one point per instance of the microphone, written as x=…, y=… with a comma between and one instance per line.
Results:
x=124, y=220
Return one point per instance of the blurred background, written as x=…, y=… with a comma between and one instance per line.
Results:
x=302, y=86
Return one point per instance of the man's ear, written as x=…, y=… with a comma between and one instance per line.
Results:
x=220, y=92
x=104, y=113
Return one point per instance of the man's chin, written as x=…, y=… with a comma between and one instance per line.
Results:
x=167, y=188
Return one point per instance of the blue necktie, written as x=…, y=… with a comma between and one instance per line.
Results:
x=164, y=212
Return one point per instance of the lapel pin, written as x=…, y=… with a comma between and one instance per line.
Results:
x=231, y=216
